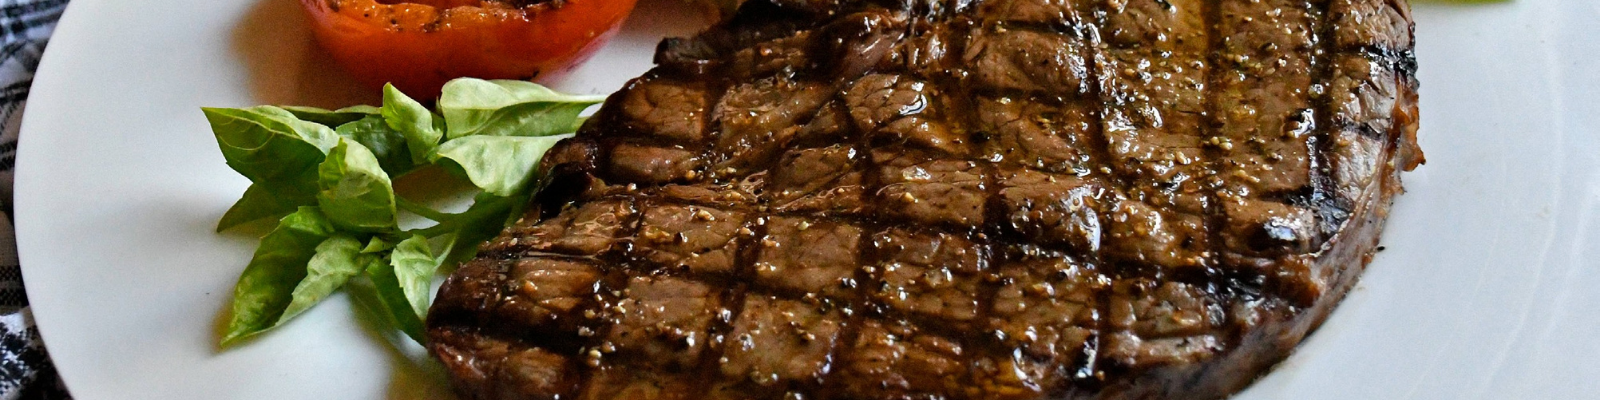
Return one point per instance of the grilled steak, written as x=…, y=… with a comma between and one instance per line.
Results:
x=952, y=199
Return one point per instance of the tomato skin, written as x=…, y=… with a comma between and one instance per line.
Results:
x=418, y=47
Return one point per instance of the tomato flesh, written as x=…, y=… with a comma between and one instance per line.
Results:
x=419, y=45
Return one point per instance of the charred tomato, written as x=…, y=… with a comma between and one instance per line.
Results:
x=419, y=44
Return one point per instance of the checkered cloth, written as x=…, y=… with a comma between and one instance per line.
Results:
x=25, y=369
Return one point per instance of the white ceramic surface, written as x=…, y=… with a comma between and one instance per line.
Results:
x=1489, y=287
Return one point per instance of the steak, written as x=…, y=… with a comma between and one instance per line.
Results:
x=952, y=199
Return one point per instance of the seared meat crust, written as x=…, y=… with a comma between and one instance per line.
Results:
x=952, y=199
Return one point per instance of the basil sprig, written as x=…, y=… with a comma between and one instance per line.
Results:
x=327, y=176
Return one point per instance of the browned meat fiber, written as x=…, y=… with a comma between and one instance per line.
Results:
x=952, y=199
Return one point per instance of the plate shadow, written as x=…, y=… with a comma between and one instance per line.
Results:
x=286, y=66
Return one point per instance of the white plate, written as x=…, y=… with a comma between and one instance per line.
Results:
x=1487, y=289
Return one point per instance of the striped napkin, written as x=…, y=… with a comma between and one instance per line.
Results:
x=25, y=368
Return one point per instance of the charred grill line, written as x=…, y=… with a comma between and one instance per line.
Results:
x=1321, y=196
x=733, y=302
x=858, y=306
x=614, y=279
x=1088, y=18
x=1212, y=125
x=965, y=112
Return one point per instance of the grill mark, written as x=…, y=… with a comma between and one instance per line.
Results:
x=855, y=310
x=1088, y=28
x=615, y=278
x=1069, y=27
x=713, y=125
x=1365, y=130
x=1093, y=376
x=1320, y=65
x=715, y=90
x=1212, y=124
x=1216, y=157
x=849, y=334
x=1398, y=56
x=965, y=112
x=987, y=286
x=733, y=295
x=1230, y=284
x=716, y=338
x=1322, y=198
x=866, y=254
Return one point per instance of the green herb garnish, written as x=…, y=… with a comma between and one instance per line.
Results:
x=327, y=175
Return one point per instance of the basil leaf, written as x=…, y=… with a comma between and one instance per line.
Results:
x=413, y=121
x=394, y=300
x=337, y=259
x=370, y=305
x=486, y=217
x=414, y=267
x=267, y=284
x=331, y=118
x=271, y=199
x=377, y=245
x=264, y=143
x=387, y=144
x=508, y=108
x=354, y=192
x=500, y=165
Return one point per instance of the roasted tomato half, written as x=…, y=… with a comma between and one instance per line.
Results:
x=419, y=45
